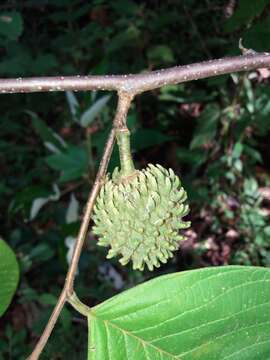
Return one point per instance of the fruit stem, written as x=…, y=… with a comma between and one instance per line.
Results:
x=126, y=161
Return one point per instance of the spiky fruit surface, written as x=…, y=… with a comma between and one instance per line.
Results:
x=139, y=217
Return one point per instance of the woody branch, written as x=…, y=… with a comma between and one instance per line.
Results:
x=137, y=83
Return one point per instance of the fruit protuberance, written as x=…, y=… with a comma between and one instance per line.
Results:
x=138, y=214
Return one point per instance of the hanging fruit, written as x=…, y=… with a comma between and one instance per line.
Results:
x=139, y=214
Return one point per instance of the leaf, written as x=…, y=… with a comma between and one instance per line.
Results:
x=73, y=104
x=41, y=253
x=16, y=64
x=9, y=275
x=72, y=163
x=237, y=150
x=90, y=114
x=246, y=11
x=23, y=199
x=39, y=202
x=44, y=63
x=47, y=299
x=257, y=37
x=70, y=242
x=72, y=213
x=161, y=54
x=206, y=128
x=51, y=140
x=253, y=154
x=206, y=314
x=126, y=7
x=145, y=138
x=250, y=187
x=194, y=157
x=37, y=205
x=123, y=40
x=11, y=25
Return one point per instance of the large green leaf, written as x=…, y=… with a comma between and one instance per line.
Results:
x=206, y=314
x=9, y=275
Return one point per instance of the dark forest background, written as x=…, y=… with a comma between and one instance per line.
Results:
x=214, y=133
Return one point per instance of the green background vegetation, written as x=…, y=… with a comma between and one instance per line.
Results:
x=214, y=133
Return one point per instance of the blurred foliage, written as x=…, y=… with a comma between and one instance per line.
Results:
x=214, y=133
x=9, y=275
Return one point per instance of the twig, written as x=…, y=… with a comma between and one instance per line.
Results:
x=135, y=84
x=68, y=290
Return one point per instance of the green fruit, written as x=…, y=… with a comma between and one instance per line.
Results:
x=138, y=214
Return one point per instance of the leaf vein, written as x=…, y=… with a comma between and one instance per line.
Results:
x=245, y=348
x=224, y=335
x=178, y=316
